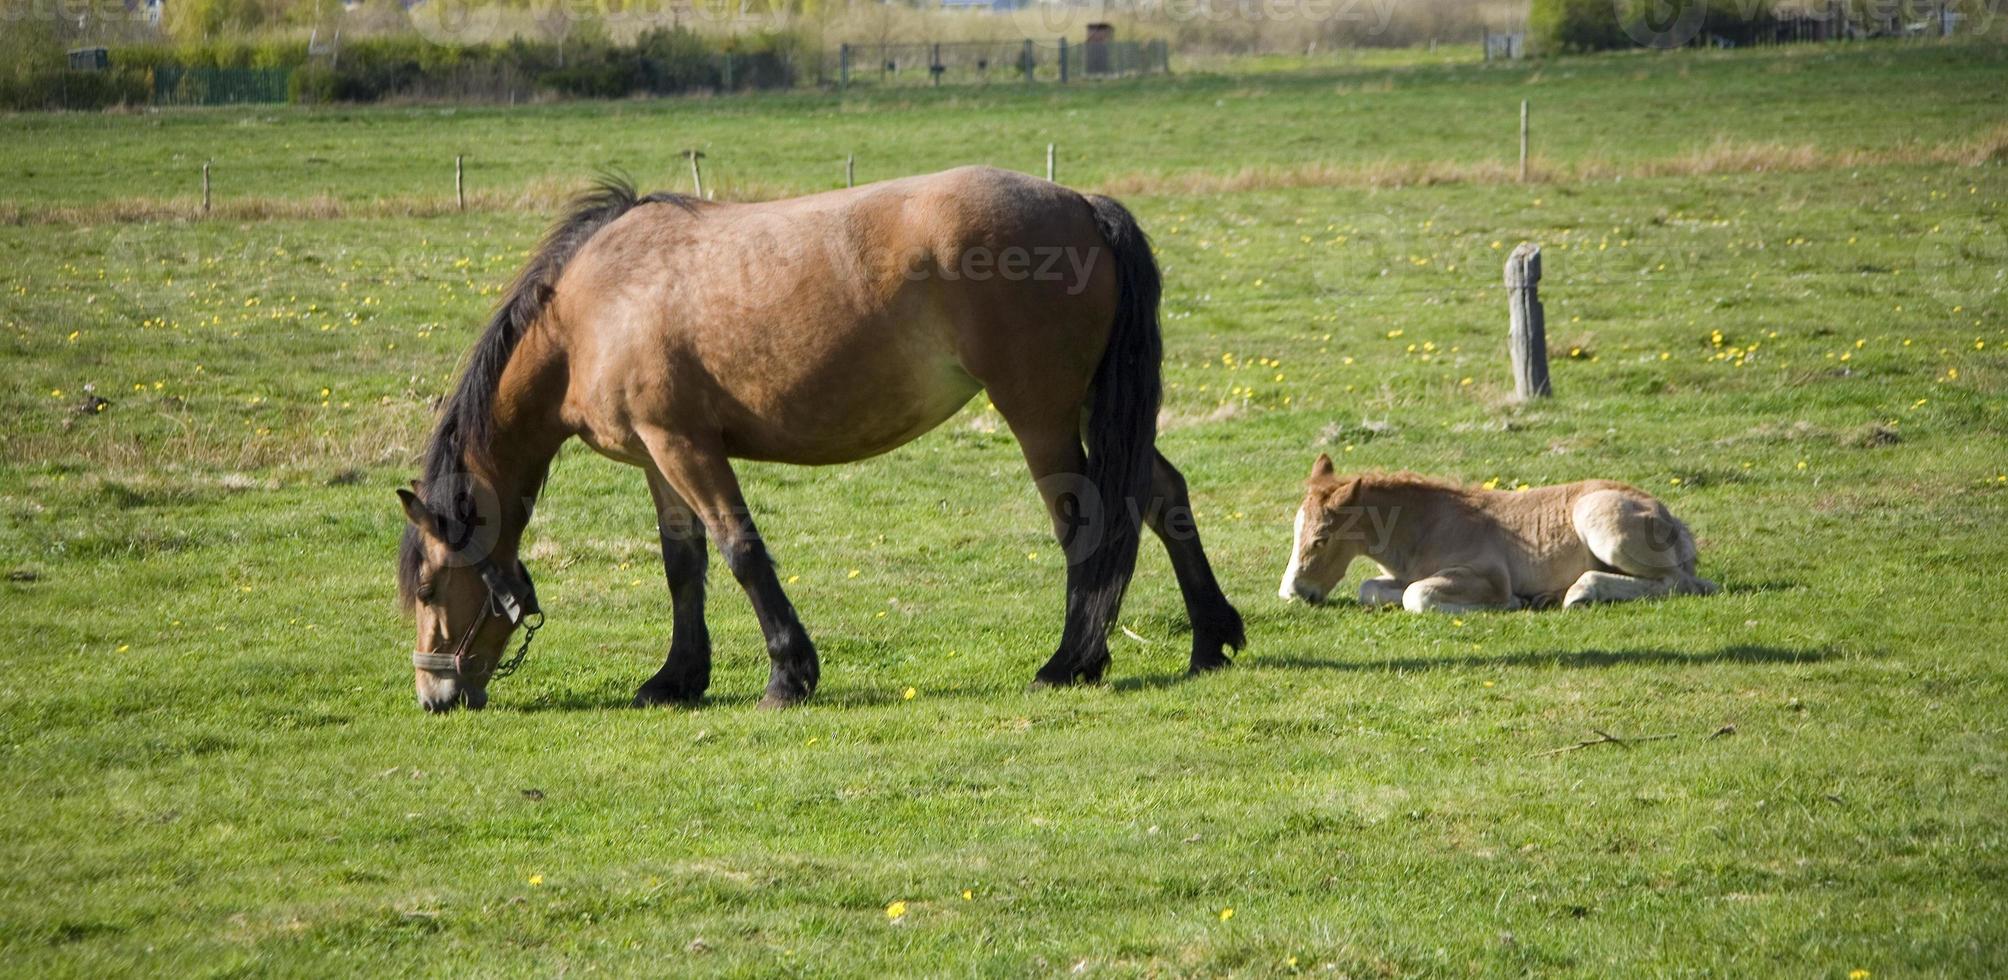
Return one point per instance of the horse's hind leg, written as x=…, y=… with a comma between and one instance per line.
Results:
x=703, y=477
x=1215, y=623
x=1638, y=538
x=687, y=672
x=1058, y=465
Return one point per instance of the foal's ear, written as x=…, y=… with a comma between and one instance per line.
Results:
x=1323, y=467
x=414, y=510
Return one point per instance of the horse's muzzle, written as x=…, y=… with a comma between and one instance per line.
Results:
x=439, y=693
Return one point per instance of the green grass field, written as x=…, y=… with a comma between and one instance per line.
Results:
x=213, y=764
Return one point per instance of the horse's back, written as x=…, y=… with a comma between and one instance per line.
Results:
x=837, y=325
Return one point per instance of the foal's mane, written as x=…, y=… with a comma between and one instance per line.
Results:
x=462, y=438
x=1407, y=480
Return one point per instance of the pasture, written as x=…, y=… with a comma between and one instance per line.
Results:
x=1774, y=296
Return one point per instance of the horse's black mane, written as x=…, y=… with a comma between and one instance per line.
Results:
x=461, y=440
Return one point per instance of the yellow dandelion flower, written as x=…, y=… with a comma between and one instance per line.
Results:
x=1858, y=975
x=895, y=911
x=968, y=895
x=536, y=880
x=854, y=573
x=908, y=694
x=1226, y=913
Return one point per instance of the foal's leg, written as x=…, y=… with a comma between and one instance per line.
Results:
x=1215, y=623
x=1612, y=587
x=1461, y=588
x=1383, y=591
x=1059, y=465
x=687, y=672
x=703, y=476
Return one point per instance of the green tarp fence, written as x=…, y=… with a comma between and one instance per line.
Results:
x=219, y=86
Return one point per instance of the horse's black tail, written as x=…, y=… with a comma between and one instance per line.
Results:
x=1121, y=428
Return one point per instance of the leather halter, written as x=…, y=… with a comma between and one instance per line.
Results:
x=505, y=599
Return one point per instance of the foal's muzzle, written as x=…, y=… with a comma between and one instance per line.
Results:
x=1300, y=589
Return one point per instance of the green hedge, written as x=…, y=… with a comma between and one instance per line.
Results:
x=660, y=62
x=77, y=90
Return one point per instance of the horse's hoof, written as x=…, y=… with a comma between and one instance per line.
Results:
x=655, y=697
x=1207, y=665
x=775, y=702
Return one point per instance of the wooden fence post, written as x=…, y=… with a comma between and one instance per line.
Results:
x=696, y=176
x=459, y=182
x=205, y=187
x=1523, y=141
x=1051, y=154
x=1527, y=341
x=1063, y=61
x=843, y=67
x=851, y=170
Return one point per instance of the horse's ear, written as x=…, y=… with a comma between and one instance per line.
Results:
x=1323, y=467
x=414, y=510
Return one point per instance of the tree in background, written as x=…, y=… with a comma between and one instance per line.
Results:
x=1565, y=26
x=1568, y=26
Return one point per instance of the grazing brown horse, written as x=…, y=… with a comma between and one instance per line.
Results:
x=676, y=334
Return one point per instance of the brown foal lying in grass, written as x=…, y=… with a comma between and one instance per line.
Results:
x=1446, y=548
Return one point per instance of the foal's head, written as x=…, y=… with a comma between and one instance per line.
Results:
x=465, y=602
x=1329, y=535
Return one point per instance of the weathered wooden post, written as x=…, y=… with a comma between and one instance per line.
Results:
x=843, y=67
x=1027, y=60
x=1051, y=154
x=696, y=176
x=1063, y=61
x=459, y=182
x=205, y=187
x=1527, y=340
x=1523, y=141
x=851, y=170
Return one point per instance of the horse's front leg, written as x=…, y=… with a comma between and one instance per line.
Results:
x=687, y=672
x=701, y=475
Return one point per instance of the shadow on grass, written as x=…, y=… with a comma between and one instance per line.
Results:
x=714, y=700
x=1741, y=653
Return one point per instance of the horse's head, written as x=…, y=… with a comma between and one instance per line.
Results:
x=465, y=601
x=1327, y=536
